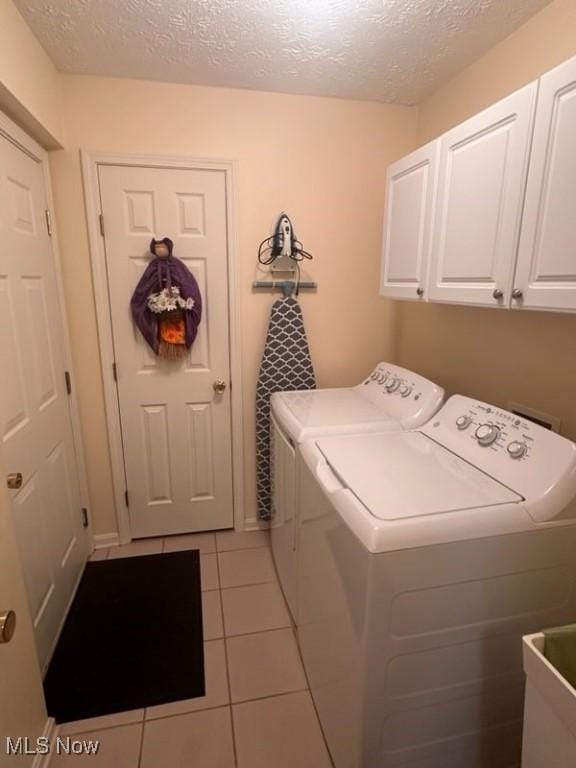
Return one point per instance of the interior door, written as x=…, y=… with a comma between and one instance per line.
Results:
x=22, y=710
x=410, y=193
x=34, y=408
x=176, y=428
x=482, y=180
x=546, y=271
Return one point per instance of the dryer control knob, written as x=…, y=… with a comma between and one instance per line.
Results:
x=517, y=449
x=405, y=390
x=486, y=434
x=392, y=385
x=463, y=422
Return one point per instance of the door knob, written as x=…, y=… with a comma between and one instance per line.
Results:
x=517, y=294
x=497, y=293
x=7, y=626
x=219, y=386
x=14, y=481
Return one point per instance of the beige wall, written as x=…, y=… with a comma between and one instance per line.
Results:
x=29, y=82
x=322, y=160
x=498, y=355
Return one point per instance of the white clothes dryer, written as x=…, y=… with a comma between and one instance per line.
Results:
x=424, y=557
x=391, y=398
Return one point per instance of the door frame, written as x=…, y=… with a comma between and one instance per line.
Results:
x=90, y=163
x=15, y=135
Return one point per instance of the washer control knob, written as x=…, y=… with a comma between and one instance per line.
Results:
x=405, y=390
x=374, y=376
x=486, y=434
x=517, y=449
x=463, y=422
x=392, y=385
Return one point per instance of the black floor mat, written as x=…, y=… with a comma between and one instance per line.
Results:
x=132, y=639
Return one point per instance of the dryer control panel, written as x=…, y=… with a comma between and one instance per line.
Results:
x=408, y=397
x=529, y=459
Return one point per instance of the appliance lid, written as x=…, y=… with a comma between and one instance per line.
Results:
x=407, y=474
x=319, y=408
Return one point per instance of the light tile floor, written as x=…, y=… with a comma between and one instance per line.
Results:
x=257, y=712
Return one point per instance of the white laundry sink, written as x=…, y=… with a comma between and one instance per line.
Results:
x=549, y=713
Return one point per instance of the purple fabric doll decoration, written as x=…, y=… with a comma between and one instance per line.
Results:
x=166, y=304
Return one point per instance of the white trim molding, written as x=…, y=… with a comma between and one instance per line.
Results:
x=90, y=163
x=105, y=540
x=50, y=732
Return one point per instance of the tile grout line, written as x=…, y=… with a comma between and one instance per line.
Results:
x=141, y=749
x=230, y=705
x=270, y=696
x=145, y=721
x=227, y=664
x=243, y=549
x=250, y=584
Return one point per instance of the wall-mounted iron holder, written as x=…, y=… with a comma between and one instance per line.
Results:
x=288, y=287
x=283, y=264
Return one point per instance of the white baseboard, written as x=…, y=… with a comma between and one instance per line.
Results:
x=50, y=731
x=254, y=524
x=105, y=540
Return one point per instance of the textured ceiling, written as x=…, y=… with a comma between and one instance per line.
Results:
x=382, y=50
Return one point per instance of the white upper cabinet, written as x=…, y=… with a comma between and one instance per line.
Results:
x=410, y=191
x=482, y=180
x=546, y=270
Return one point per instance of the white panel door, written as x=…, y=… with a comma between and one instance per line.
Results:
x=35, y=417
x=22, y=710
x=176, y=430
x=482, y=180
x=410, y=191
x=546, y=270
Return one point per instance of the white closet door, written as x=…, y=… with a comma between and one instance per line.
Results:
x=482, y=180
x=410, y=190
x=37, y=439
x=546, y=271
x=176, y=424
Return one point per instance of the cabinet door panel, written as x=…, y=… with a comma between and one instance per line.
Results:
x=546, y=271
x=410, y=188
x=482, y=178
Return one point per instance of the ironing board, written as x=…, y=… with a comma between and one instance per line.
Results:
x=286, y=365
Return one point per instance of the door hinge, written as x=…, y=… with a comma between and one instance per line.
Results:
x=101, y=220
x=84, y=517
x=114, y=371
x=68, y=382
x=48, y=222
x=126, y=498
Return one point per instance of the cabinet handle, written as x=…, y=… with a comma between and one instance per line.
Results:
x=420, y=291
x=517, y=294
x=497, y=293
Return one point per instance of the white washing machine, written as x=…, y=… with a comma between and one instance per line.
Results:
x=391, y=398
x=424, y=556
